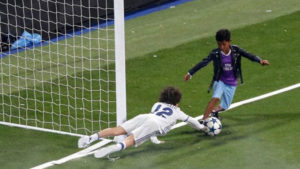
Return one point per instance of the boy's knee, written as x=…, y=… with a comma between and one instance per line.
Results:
x=215, y=100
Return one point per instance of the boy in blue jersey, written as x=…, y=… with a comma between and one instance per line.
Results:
x=227, y=69
x=164, y=114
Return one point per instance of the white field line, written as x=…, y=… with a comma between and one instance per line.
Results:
x=91, y=149
x=234, y=105
x=82, y=153
x=40, y=129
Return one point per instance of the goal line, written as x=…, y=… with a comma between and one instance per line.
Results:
x=90, y=150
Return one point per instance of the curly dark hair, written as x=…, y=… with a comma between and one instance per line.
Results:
x=223, y=35
x=170, y=95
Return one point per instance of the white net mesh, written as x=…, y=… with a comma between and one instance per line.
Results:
x=66, y=82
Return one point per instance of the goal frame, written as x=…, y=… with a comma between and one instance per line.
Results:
x=120, y=73
x=121, y=108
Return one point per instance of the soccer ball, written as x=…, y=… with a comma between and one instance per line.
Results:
x=214, y=126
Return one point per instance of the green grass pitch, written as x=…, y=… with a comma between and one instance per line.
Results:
x=262, y=135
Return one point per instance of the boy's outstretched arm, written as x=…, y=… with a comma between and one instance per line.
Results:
x=200, y=65
x=253, y=57
x=196, y=124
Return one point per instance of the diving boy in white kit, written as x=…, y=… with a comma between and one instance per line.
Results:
x=164, y=114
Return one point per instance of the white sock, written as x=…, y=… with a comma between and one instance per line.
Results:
x=123, y=145
x=110, y=149
x=117, y=147
x=94, y=137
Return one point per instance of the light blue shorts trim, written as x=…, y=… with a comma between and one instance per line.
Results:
x=224, y=92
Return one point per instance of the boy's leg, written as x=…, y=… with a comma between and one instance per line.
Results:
x=116, y=131
x=226, y=100
x=217, y=95
x=129, y=141
x=138, y=136
x=218, y=108
x=228, y=95
x=87, y=140
x=210, y=106
x=125, y=128
x=215, y=112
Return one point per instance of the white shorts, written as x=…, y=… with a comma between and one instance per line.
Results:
x=142, y=127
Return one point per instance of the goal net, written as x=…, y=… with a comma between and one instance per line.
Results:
x=62, y=65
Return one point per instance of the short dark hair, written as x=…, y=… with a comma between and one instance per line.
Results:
x=223, y=35
x=170, y=95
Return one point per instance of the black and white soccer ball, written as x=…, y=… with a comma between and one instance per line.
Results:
x=214, y=126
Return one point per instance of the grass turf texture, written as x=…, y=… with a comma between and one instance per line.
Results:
x=164, y=29
x=253, y=135
x=198, y=19
x=259, y=135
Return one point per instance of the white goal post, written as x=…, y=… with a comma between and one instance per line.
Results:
x=64, y=71
x=120, y=61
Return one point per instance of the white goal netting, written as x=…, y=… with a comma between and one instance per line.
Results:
x=57, y=66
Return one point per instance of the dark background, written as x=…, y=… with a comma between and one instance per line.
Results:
x=53, y=18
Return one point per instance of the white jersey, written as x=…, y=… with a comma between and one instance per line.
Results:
x=162, y=117
x=167, y=116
